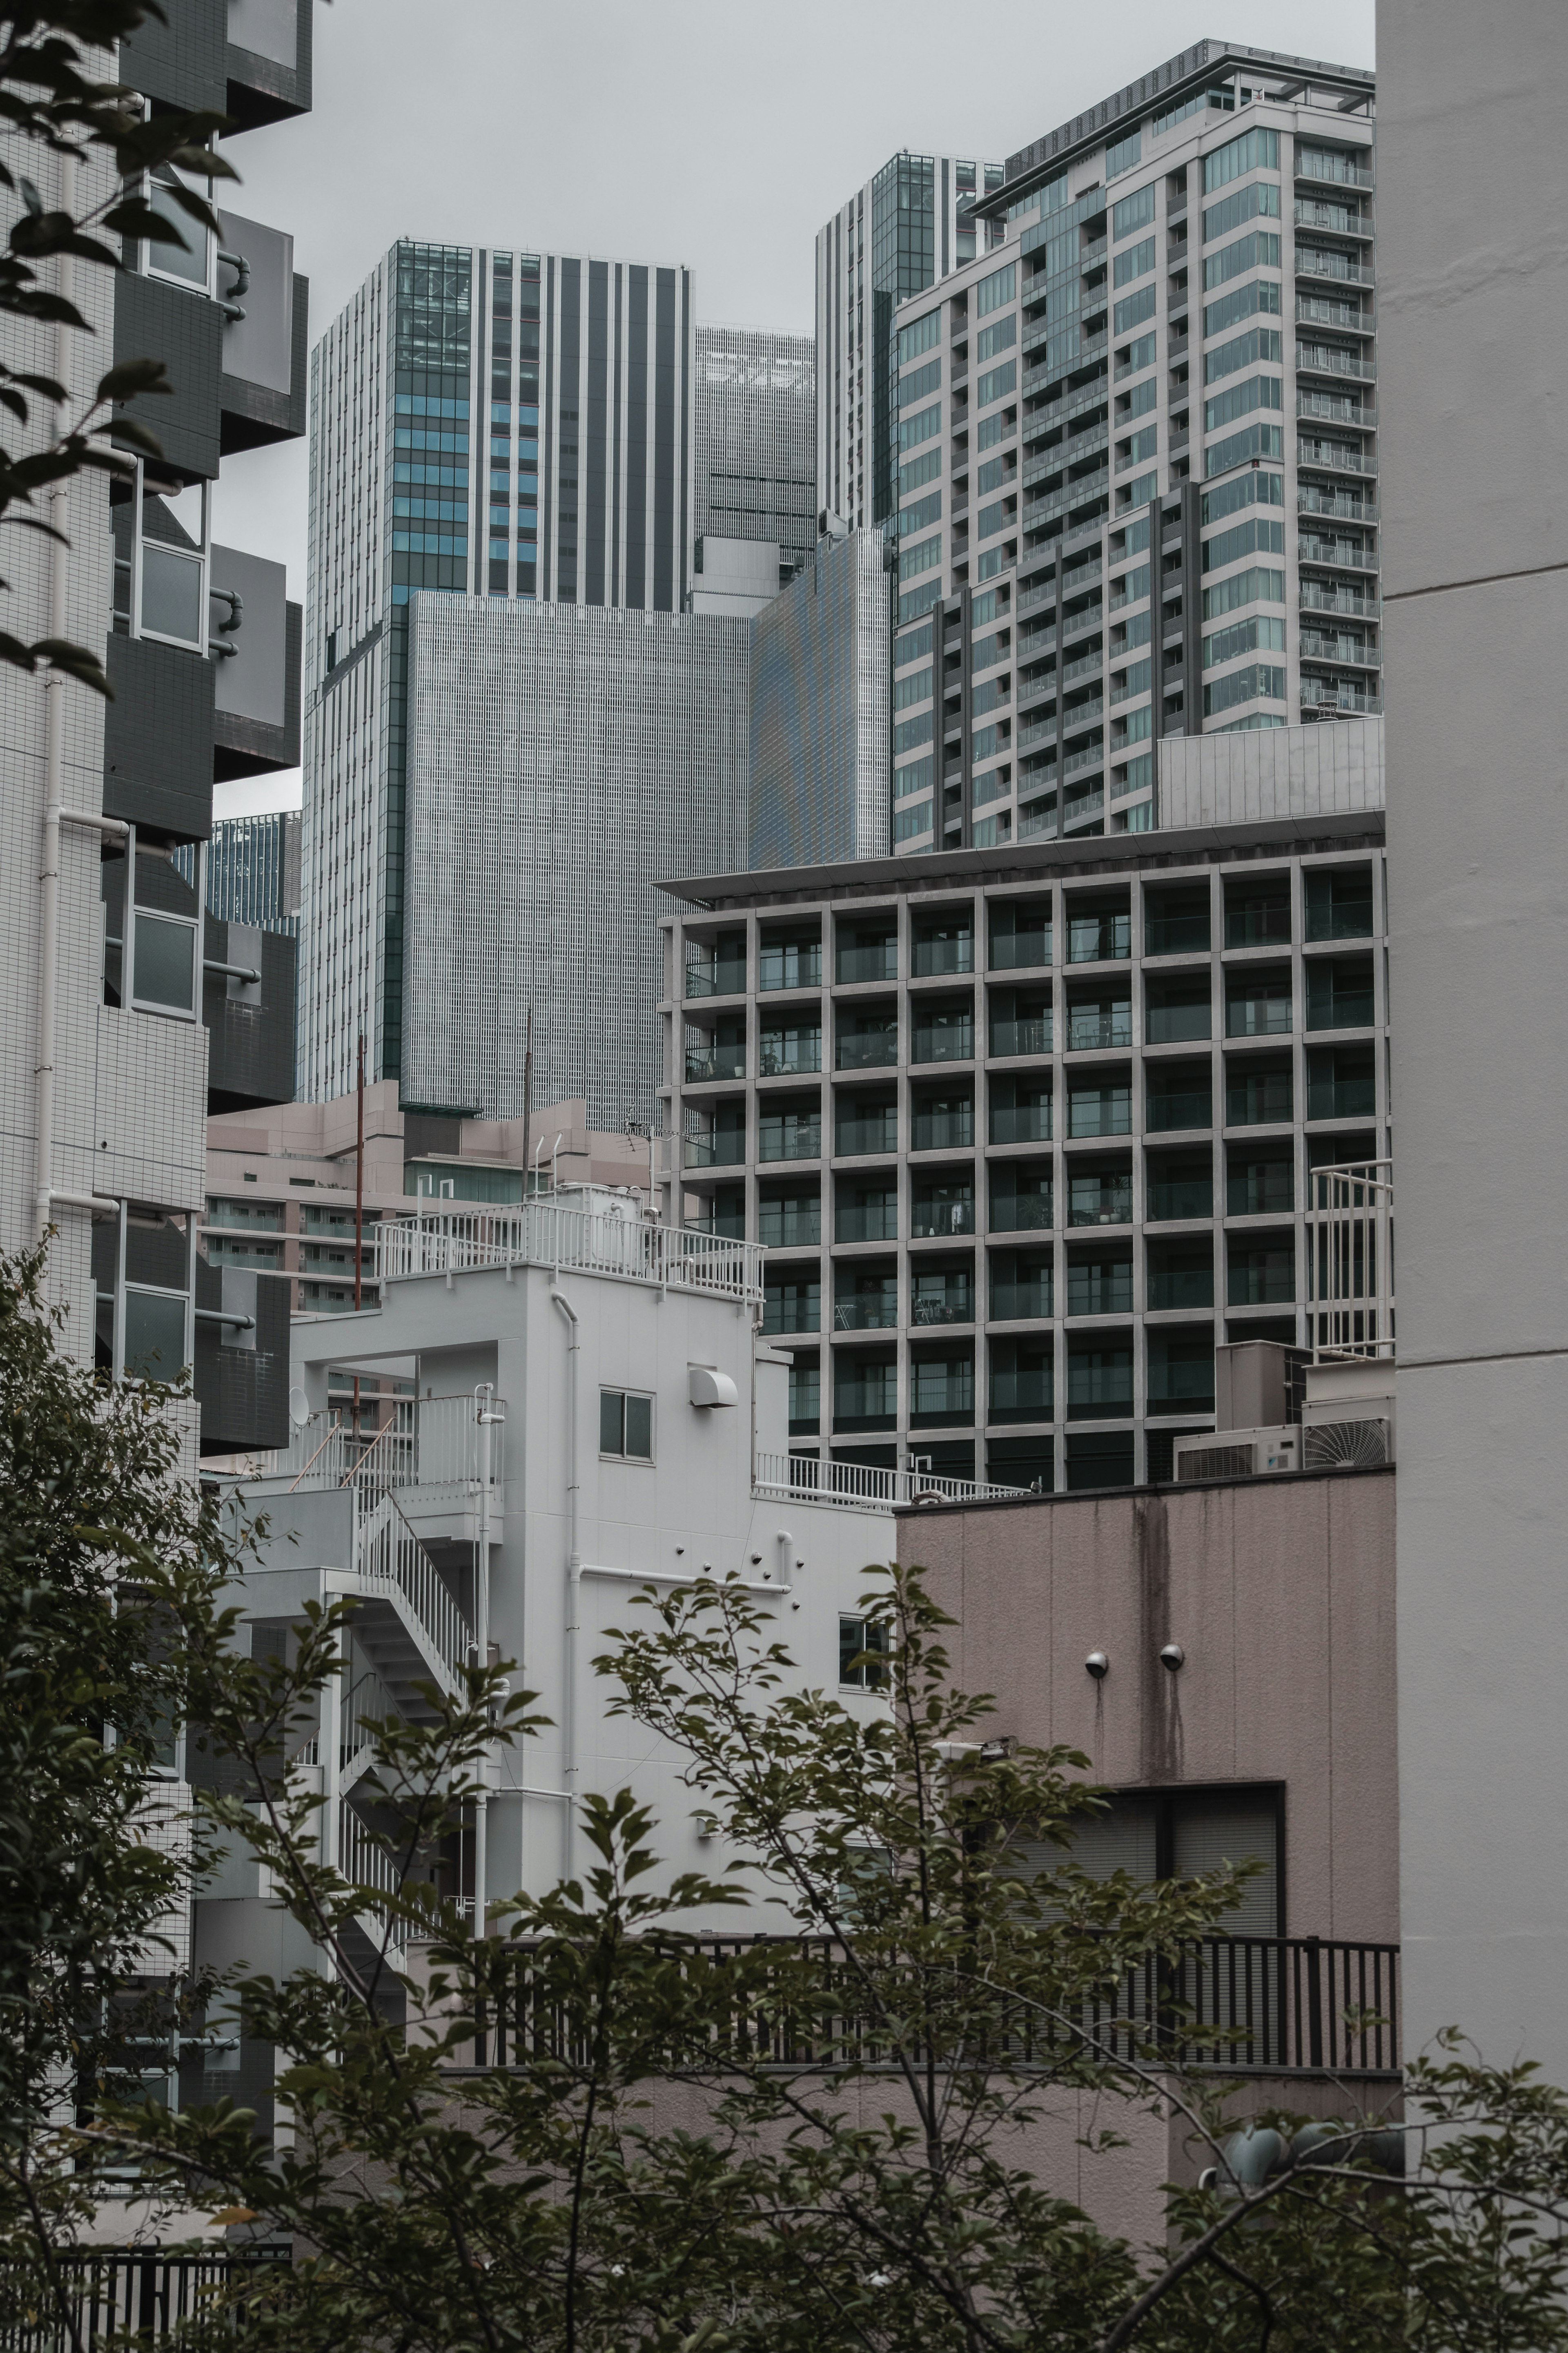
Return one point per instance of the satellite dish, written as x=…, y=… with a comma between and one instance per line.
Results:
x=299, y=1408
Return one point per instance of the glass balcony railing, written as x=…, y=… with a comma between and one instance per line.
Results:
x=1014, y=1303
x=953, y=952
x=789, y=1139
x=1023, y=1211
x=794, y=1307
x=1177, y=1022
x=1099, y=939
x=868, y=1311
x=704, y=1062
x=1260, y=1099
x=788, y=1053
x=869, y=960
x=1258, y=1014
x=722, y=1148
x=1099, y=1111
x=1030, y=1035
x=789, y=1225
x=1264, y=1188
x=1180, y=1196
x=1176, y=1107
x=947, y=1210
x=1093, y=1027
x=719, y=977
x=1181, y=1282
x=790, y=965
x=867, y=1221
x=949, y=1129
x=939, y=1300
x=869, y=1049
x=1177, y=935
x=1020, y=950
x=943, y=1041
x=1100, y=1288
x=1021, y=1122
x=1099, y=1201
x=879, y=1133
x=941, y=1393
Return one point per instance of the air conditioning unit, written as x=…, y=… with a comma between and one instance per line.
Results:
x=1347, y=1445
x=1236, y=1454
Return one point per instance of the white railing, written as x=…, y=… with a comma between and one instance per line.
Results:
x=367, y=1696
x=615, y=1240
x=803, y=1478
x=366, y=1863
x=1349, y=1260
x=390, y=1442
x=387, y=1552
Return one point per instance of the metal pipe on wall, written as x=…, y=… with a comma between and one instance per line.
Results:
x=574, y=1593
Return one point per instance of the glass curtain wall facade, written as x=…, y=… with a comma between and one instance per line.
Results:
x=911, y=223
x=754, y=425
x=1137, y=485
x=561, y=759
x=253, y=870
x=510, y=424
x=819, y=710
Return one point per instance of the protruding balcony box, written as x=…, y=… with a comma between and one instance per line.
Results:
x=241, y=1371
x=256, y=690
x=264, y=348
x=184, y=330
x=250, y=1023
x=268, y=60
x=158, y=737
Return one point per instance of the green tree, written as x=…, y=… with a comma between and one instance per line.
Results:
x=604, y=2132
x=52, y=97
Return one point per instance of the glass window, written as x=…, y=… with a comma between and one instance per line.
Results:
x=625, y=1425
x=1134, y=211
x=861, y=1649
x=993, y=292
x=154, y=1333
x=184, y=256
x=165, y=962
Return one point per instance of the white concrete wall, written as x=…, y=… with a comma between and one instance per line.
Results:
x=1474, y=299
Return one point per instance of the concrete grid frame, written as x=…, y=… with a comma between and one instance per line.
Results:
x=1028, y=1136
x=1137, y=463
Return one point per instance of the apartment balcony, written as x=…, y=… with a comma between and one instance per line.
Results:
x=1039, y=731
x=705, y=1064
x=874, y=960
x=1335, y=269
x=1028, y=1036
x=716, y=976
x=1320, y=646
x=943, y=1038
x=264, y=352
x=940, y=1296
x=1092, y=1029
x=1320, y=695
x=716, y=1148
x=789, y=1053
x=942, y=1129
x=1026, y=1301
x=248, y=999
x=1337, y=408
x=1335, y=220
x=875, y=1309
x=1315, y=597
x=1087, y=665
x=1092, y=756
x=1351, y=316
x=1316, y=359
x=941, y=1210
x=1337, y=555
x=1332, y=171
x=790, y=965
x=857, y=1139
x=948, y=951
x=255, y=646
x=1332, y=456
x=789, y=1140
x=1099, y=1110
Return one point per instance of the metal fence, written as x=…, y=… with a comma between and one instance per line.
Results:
x=391, y=1441
x=612, y=1239
x=1300, y=2005
x=1349, y=1260
x=862, y=1488
x=115, y=2292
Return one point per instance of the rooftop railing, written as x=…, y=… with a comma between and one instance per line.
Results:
x=1349, y=1260
x=388, y=1442
x=860, y=1487
x=611, y=1239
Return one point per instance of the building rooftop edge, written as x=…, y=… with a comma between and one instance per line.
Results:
x=887, y=876
x=1178, y=75
x=1150, y=1487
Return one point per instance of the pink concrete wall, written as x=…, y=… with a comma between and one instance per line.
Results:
x=1281, y=1593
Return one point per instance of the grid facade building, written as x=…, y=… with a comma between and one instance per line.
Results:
x=1026, y=1135
x=754, y=425
x=819, y=710
x=561, y=759
x=509, y=424
x=1138, y=454
x=911, y=223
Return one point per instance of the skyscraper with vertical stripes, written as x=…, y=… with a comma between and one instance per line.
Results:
x=495, y=422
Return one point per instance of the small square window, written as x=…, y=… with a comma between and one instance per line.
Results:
x=625, y=1426
x=857, y=1643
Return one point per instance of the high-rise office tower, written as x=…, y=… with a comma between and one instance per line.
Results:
x=754, y=425
x=562, y=761
x=132, y=1010
x=505, y=422
x=819, y=710
x=909, y=226
x=1137, y=452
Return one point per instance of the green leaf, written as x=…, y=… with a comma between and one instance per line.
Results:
x=126, y=379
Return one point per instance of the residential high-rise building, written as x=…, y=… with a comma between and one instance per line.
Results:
x=1027, y=1132
x=753, y=427
x=497, y=422
x=1477, y=851
x=133, y=1010
x=912, y=223
x=819, y=710
x=1137, y=452
x=561, y=759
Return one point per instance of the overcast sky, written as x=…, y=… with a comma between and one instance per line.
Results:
x=719, y=133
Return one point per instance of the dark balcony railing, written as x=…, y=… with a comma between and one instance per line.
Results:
x=715, y=1062
x=877, y=1133
x=1012, y=1302
x=1027, y=1036
x=788, y=1053
x=868, y=1311
x=953, y=953
x=1093, y=1027
x=720, y=977
x=788, y=1140
x=1296, y=2005
x=878, y=961
x=943, y=1039
x=869, y=1049
x=147, y=2294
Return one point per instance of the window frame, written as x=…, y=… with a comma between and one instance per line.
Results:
x=639, y=1461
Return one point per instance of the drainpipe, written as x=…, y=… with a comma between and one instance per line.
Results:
x=484, y=1399
x=573, y=1595
x=45, y=1195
